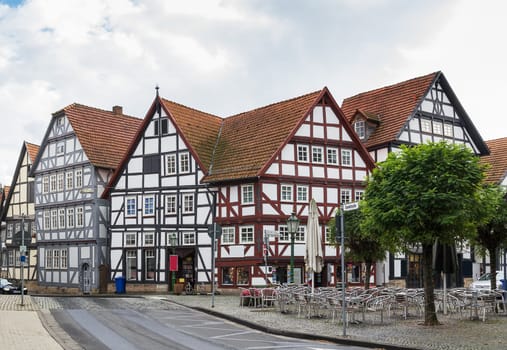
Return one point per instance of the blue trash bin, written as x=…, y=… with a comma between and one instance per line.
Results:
x=504, y=284
x=120, y=284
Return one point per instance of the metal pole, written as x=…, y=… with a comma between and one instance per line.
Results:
x=342, y=253
x=213, y=265
x=292, y=238
x=266, y=240
x=22, y=260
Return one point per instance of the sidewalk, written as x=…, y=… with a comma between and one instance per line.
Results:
x=31, y=326
x=453, y=333
x=21, y=327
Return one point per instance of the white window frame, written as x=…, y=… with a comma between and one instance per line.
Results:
x=301, y=194
x=128, y=208
x=171, y=204
x=318, y=154
x=131, y=255
x=228, y=235
x=327, y=236
x=49, y=258
x=358, y=195
x=346, y=156
x=64, y=259
x=283, y=233
x=438, y=128
x=332, y=156
x=78, y=178
x=52, y=183
x=130, y=239
x=247, y=194
x=425, y=125
x=184, y=158
x=149, y=239
x=47, y=222
x=61, y=218
x=170, y=163
x=60, y=181
x=299, y=236
x=54, y=219
x=188, y=238
x=188, y=203
x=360, y=128
x=286, y=193
x=60, y=148
x=69, y=180
x=246, y=234
x=45, y=184
x=149, y=210
x=448, y=130
x=345, y=195
x=80, y=217
x=70, y=218
x=302, y=153
x=56, y=259
x=149, y=254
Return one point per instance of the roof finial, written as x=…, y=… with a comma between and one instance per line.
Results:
x=156, y=88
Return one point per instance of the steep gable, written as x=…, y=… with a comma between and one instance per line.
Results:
x=416, y=111
x=392, y=105
x=104, y=135
x=497, y=159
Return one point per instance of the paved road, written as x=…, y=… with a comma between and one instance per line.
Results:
x=153, y=323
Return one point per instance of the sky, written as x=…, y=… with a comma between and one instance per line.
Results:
x=229, y=56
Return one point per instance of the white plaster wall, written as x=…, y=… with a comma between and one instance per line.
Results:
x=250, y=210
x=347, y=174
x=273, y=169
x=331, y=117
x=288, y=169
x=303, y=170
x=304, y=130
x=270, y=190
x=318, y=116
x=135, y=165
x=288, y=152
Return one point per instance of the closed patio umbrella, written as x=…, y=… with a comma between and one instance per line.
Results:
x=313, y=251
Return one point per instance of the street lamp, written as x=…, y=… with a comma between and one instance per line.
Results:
x=173, y=240
x=292, y=226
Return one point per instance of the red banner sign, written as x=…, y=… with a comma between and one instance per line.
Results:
x=173, y=263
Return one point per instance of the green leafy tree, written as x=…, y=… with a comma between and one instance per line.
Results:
x=492, y=234
x=361, y=246
x=423, y=194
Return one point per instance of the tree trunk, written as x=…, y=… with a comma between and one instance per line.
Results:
x=430, y=315
x=492, y=266
x=367, y=275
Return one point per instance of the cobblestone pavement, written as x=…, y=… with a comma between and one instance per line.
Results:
x=31, y=326
x=454, y=333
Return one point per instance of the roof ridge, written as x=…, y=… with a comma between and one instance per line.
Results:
x=191, y=108
x=80, y=105
x=276, y=103
x=391, y=86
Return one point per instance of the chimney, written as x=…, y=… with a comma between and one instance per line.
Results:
x=118, y=110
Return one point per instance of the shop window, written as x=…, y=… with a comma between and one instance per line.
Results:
x=243, y=275
x=227, y=275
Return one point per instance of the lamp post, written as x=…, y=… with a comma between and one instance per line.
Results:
x=173, y=240
x=292, y=226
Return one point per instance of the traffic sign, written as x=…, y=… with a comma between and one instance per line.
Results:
x=218, y=231
x=350, y=206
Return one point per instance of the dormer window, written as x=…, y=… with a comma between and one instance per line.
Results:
x=359, y=127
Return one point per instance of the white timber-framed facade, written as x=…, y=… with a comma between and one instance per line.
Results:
x=78, y=155
x=416, y=111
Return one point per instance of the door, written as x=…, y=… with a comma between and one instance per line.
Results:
x=414, y=273
x=85, y=278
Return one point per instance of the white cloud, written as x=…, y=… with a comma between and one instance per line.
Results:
x=225, y=56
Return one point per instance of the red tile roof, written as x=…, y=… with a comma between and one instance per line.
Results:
x=393, y=105
x=497, y=160
x=32, y=151
x=104, y=135
x=199, y=129
x=248, y=140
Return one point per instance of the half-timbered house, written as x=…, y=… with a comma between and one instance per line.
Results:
x=159, y=207
x=80, y=151
x=18, y=214
x=269, y=163
x=419, y=110
x=188, y=169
